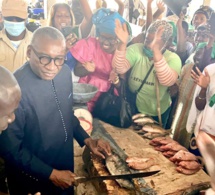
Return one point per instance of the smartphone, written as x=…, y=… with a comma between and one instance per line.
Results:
x=67, y=31
x=195, y=70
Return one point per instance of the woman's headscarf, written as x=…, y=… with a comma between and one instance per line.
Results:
x=168, y=30
x=104, y=20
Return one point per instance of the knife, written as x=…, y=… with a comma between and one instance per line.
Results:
x=112, y=177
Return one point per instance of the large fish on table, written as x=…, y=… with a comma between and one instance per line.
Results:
x=117, y=166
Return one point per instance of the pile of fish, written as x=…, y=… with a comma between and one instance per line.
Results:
x=140, y=163
x=186, y=162
x=148, y=128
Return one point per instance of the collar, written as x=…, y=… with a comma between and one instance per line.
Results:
x=3, y=37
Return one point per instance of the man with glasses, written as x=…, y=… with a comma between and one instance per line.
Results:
x=38, y=146
x=14, y=38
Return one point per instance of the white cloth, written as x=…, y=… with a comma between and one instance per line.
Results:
x=210, y=191
x=204, y=120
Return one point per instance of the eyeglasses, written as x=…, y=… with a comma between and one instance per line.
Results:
x=45, y=60
x=112, y=41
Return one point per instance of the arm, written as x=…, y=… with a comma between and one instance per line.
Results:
x=120, y=63
x=200, y=100
x=83, y=69
x=86, y=24
x=121, y=7
x=166, y=75
x=203, y=81
x=149, y=17
x=160, y=10
x=13, y=151
x=181, y=38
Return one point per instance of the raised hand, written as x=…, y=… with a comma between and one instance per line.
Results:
x=62, y=178
x=121, y=31
x=201, y=79
x=157, y=42
x=89, y=66
x=160, y=5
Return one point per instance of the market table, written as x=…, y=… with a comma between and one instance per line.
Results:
x=167, y=181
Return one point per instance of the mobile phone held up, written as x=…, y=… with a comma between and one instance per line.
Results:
x=195, y=70
x=67, y=30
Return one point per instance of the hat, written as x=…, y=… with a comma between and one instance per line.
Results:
x=16, y=8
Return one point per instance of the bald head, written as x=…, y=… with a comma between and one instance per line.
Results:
x=10, y=95
x=46, y=33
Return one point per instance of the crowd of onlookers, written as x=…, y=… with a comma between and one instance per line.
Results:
x=98, y=48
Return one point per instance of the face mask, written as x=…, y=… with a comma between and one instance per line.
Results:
x=148, y=52
x=14, y=28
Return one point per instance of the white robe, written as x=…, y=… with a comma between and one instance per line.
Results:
x=205, y=119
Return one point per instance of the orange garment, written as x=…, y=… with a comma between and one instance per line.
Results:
x=10, y=57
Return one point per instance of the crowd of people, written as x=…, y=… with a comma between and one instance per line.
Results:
x=37, y=124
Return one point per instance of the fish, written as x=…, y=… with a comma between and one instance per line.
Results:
x=187, y=171
x=139, y=115
x=151, y=135
x=191, y=165
x=141, y=165
x=136, y=159
x=144, y=120
x=182, y=155
x=152, y=128
x=174, y=146
x=117, y=166
x=162, y=140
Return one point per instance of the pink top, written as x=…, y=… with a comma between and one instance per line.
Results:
x=89, y=50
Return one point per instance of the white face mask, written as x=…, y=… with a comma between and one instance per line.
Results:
x=14, y=28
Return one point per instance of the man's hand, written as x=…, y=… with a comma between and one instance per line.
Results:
x=201, y=79
x=62, y=178
x=98, y=147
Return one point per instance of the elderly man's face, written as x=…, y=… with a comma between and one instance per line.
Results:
x=8, y=106
x=46, y=57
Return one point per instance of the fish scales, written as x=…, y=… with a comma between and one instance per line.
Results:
x=116, y=166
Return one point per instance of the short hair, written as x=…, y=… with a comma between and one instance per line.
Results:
x=53, y=11
x=7, y=82
x=47, y=32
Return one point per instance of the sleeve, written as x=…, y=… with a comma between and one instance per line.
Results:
x=174, y=62
x=83, y=50
x=79, y=133
x=17, y=154
x=168, y=70
x=119, y=63
x=131, y=54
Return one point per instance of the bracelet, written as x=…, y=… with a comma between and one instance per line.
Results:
x=116, y=82
x=201, y=98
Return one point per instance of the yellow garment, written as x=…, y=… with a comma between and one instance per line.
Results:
x=10, y=57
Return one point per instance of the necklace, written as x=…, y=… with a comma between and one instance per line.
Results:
x=58, y=106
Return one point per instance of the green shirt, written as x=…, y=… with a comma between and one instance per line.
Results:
x=146, y=99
